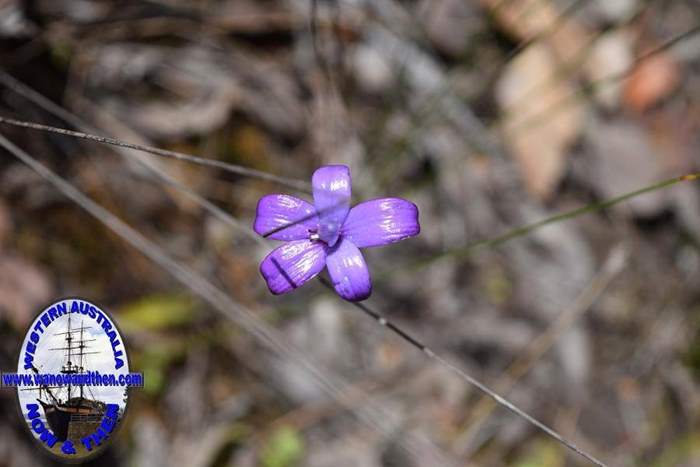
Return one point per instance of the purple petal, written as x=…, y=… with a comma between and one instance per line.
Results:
x=292, y=264
x=331, y=186
x=276, y=211
x=348, y=271
x=381, y=221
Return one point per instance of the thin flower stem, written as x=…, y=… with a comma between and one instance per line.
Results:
x=237, y=169
x=428, y=352
x=526, y=229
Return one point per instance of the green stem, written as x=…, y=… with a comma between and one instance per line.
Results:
x=526, y=229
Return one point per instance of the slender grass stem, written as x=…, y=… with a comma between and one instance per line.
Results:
x=468, y=249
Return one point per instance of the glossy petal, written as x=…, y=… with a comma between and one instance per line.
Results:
x=292, y=264
x=331, y=186
x=276, y=211
x=348, y=271
x=381, y=221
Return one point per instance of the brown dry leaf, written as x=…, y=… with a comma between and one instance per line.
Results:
x=542, y=120
x=23, y=288
x=527, y=20
x=652, y=80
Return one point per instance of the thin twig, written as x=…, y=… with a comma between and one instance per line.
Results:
x=141, y=159
x=379, y=318
x=237, y=169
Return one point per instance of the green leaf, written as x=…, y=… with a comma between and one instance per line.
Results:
x=285, y=448
x=156, y=312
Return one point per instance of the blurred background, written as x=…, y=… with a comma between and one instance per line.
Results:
x=488, y=114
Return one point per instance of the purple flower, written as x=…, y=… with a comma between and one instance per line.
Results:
x=329, y=233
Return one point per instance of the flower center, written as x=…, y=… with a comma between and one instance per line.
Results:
x=315, y=235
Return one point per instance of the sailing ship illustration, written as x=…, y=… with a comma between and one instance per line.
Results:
x=71, y=410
